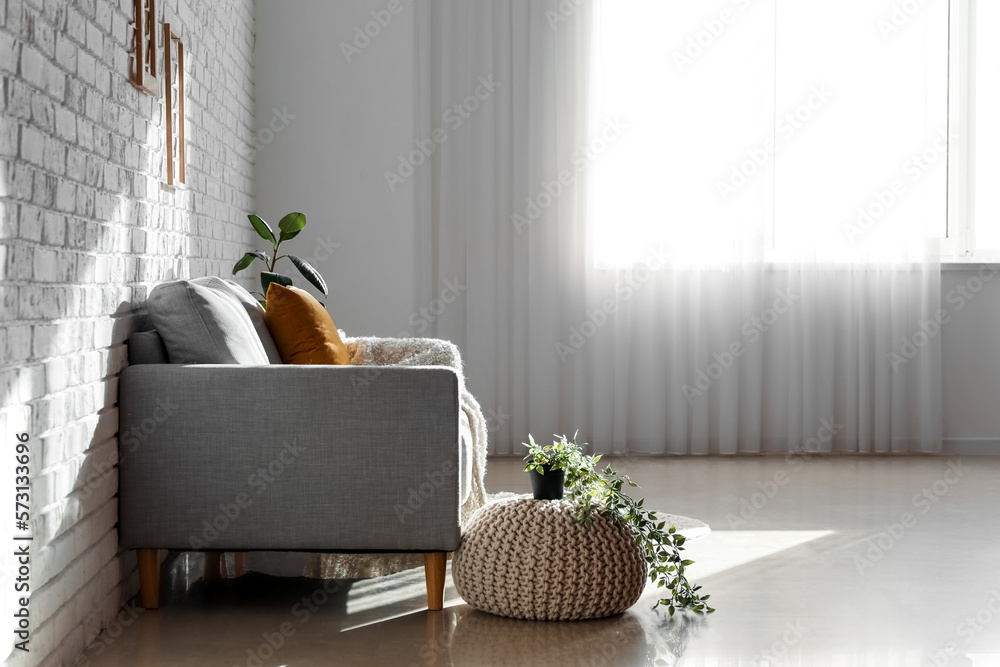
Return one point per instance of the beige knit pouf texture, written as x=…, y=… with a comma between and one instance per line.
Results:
x=530, y=559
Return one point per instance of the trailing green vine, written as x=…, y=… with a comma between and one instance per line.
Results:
x=591, y=490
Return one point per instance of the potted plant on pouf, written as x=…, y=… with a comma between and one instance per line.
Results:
x=547, y=466
x=592, y=491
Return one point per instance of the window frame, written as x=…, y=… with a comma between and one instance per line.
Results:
x=959, y=246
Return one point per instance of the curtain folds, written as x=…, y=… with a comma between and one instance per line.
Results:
x=637, y=305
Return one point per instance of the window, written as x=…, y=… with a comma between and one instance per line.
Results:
x=975, y=213
x=824, y=131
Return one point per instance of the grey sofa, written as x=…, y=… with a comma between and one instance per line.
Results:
x=279, y=457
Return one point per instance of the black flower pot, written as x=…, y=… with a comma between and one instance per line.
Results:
x=548, y=486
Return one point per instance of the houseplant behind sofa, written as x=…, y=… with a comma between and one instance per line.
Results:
x=193, y=480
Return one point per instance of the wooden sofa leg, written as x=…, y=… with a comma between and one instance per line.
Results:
x=434, y=571
x=213, y=566
x=149, y=577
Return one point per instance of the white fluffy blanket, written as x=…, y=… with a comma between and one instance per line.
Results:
x=409, y=352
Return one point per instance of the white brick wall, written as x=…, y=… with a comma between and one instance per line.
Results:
x=86, y=230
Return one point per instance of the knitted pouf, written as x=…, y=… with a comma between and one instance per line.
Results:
x=530, y=559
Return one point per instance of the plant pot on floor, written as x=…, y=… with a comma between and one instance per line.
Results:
x=548, y=486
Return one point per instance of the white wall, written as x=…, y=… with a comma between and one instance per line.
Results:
x=971, y=359
x=352, y=122
x=86, y=229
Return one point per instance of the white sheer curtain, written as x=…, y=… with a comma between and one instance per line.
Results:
x=525, y=280
x=654, y=252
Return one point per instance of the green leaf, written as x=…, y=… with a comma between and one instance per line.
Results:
x=309, y=273
x=266, y=278
x=262, y=228
x=291, y=225
x=248, y=259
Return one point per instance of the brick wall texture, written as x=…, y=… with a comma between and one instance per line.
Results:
x=87, y=228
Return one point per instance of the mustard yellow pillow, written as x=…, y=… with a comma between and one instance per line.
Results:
x=302, y=328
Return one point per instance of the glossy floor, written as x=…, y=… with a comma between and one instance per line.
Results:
x=834, y=562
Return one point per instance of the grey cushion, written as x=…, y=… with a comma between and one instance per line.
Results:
x=146, y=347
x=253, y=309
x=200, y=325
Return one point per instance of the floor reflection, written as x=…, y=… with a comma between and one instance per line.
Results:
x=460, y=636
x=790, y=588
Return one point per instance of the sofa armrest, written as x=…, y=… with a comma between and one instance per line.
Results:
x=324, y=458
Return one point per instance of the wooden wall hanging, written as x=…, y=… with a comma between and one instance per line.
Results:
x=144, y=47
x=173, y=76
